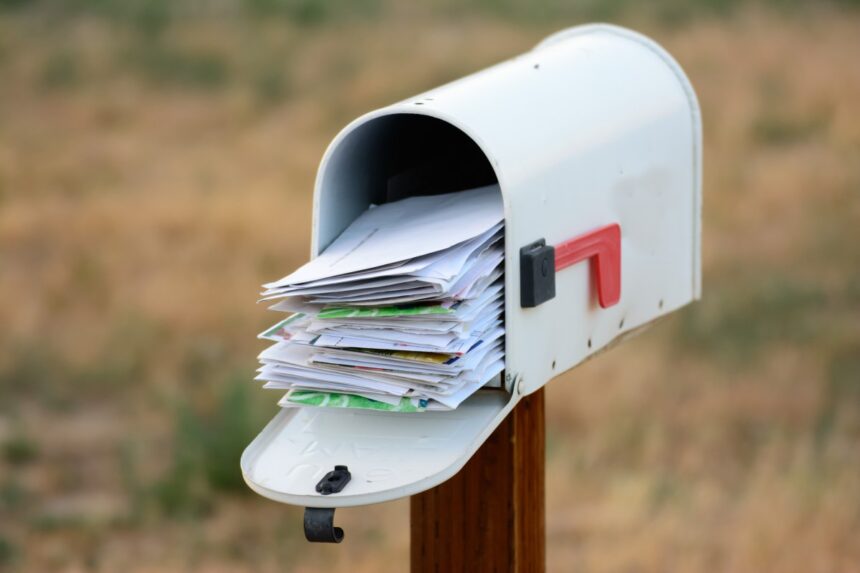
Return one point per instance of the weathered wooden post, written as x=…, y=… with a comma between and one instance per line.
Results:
x=491, y=516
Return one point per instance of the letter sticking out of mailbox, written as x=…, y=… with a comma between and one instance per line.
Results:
x=594, y=139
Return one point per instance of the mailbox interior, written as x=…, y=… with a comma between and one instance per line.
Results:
x=388, y=158
x=390, y=455
x=391, y=157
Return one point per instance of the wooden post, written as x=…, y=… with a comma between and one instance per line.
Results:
x=491, y=516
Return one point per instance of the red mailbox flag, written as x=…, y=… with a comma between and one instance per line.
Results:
x=603, y=247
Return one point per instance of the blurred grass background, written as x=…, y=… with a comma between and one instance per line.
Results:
x=156, y=165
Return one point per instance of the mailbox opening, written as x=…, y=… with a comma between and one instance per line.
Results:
x=391, y=157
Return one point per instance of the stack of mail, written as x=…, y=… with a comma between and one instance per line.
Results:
x=402, y=312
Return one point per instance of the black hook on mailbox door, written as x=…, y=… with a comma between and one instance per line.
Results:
x=319, y=525
x=319, y=521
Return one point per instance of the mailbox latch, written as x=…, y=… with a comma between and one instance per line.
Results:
x=319, y=525
x=334, y=481
x=537, y=273
x=319, y=521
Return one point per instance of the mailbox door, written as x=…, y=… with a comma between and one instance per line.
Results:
x=390, y=455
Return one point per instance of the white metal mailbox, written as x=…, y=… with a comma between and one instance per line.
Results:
x=594, y=138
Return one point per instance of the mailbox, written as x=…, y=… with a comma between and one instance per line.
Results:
x=594, y=138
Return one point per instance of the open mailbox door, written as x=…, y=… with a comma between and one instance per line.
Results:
x=390, y=455
x=594, y=138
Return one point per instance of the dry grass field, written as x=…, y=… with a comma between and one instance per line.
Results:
x=156, y=165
